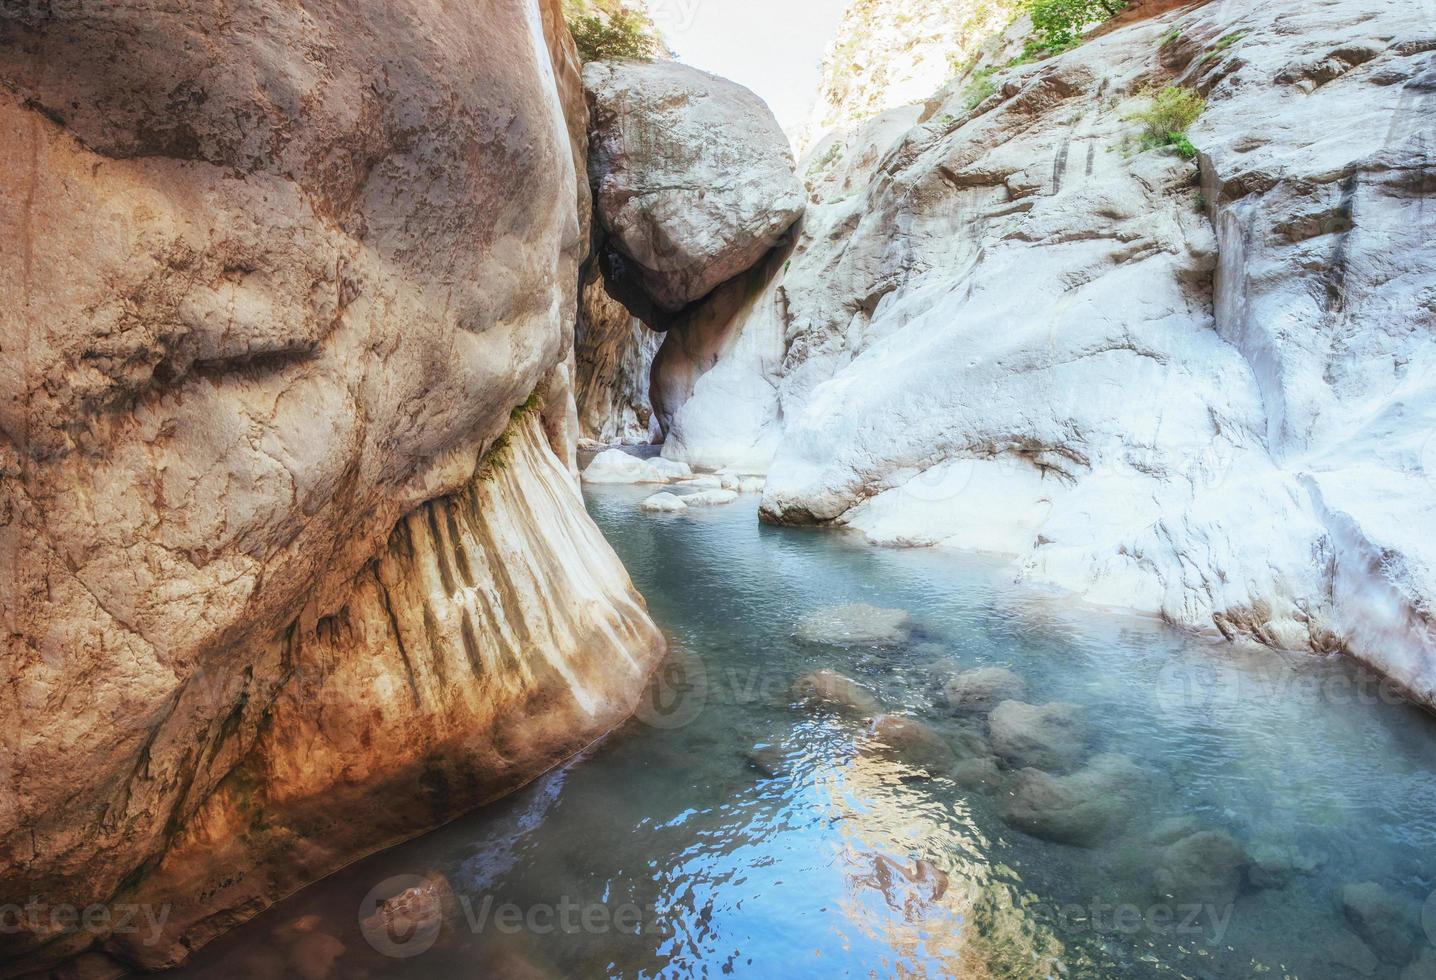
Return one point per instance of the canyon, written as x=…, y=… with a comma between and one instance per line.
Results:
x=309, y=310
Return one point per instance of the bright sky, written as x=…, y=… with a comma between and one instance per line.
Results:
x=775, y=47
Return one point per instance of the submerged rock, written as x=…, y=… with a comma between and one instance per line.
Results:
x=910, y=741
x=693, y=177
x=768, y=760
x=1048, y=736
x=1202, y=868
x=1274, y=865
x=829, y=689
x=664, y=503
x=1384, y=921
x=979, y=691
x=1083, y=808
x=856, y=625
x=313, y=956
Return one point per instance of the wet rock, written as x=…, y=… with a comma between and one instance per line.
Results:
x=1423, y=968
x=911, y=742
x=617, y=466
x=705, y=481
x=1203, y=868
x=829, y=689
x=1274, y=865
x=1384, y=921
x=1047, y=736
x=664, y=503
x=856, y=625
x=1341, y=954
x=710, y=498
x=1173, y=829
x=1082, y=809
x=979, y=691
x=312, y=957
x=768, y=760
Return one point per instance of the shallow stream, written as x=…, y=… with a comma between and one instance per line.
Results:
x=1207, y=808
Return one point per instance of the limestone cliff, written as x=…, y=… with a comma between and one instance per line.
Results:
x=1200, y=388
x=283, y=581
x=890, y=53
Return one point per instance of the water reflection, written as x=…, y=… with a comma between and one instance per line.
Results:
x=1232, y=803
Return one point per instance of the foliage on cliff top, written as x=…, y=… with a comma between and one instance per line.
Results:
x=1060, y=24
x=617, y=35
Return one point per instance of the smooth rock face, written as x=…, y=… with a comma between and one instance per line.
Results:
x=693, y=179
x=1204, y=390
x=276, y=276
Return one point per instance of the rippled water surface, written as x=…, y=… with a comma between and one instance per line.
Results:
x=728, y=831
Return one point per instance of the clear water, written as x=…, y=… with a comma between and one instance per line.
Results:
x=665, y=852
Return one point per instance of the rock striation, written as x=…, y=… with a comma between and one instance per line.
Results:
x=285, y=581
x=1194, y=388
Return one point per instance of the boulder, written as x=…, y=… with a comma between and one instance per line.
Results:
x=1083, y=808
x=1047, y=736
x=909, y=741
x=768, y=760
x=617, y=466
x=710, y=498
x=1204, y=868
x=1385, y=921
x=829, y=689
x=856, y=625
x=664, y=503
x=1274, y=865
x=693, y=179
x=979, y=691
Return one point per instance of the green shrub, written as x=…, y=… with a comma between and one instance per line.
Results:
x=624, y=36
x=1060, y=23
x=1165, y=121
x=977, y=92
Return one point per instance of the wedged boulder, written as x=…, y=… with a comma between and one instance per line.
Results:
x=829, y=689
x=693, y=179
x=1043, y=736
x=856, y=624
x=979, y=691
x=1202, y=868
x=1083, y=808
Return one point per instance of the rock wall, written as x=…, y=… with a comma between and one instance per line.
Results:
x=1198, y=389
x=614, y=353
x=891, y=53
x=274, y=278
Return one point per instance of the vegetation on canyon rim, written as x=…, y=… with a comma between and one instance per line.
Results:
x=617, y=34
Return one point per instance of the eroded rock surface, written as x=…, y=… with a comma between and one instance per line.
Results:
x=1200, y=389
x=275, y=277
x=693, y=179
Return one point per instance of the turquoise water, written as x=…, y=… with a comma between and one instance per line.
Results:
x=729, y=831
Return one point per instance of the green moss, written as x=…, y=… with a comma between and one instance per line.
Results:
x=977, y=93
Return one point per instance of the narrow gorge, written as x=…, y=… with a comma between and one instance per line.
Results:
x=468, y=462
